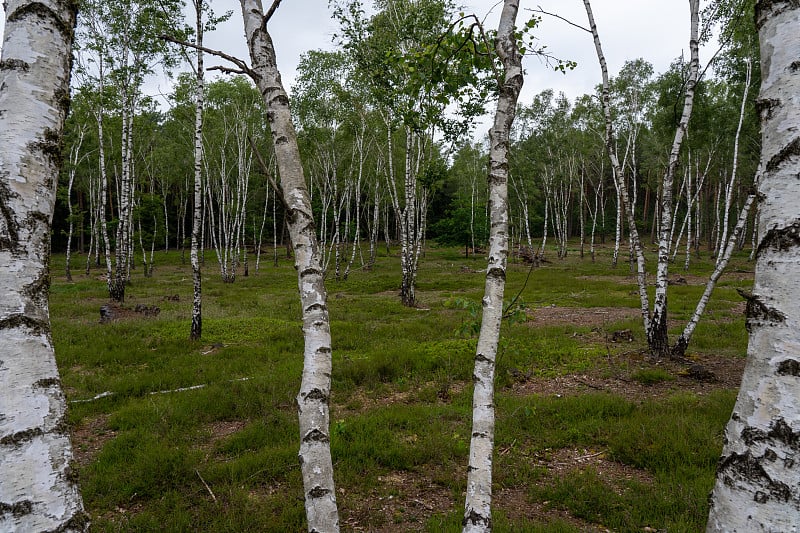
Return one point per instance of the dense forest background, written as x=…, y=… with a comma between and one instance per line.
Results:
x=375, y=114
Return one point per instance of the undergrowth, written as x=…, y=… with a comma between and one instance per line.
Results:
x=220, y=454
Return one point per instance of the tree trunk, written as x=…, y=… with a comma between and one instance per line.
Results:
x=196, y=328
x=314, y=396
x=477, y=509
x=657, y=339
x=756, y=487
x=37, y=487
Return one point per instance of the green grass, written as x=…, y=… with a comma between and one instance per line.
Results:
x=401, y=398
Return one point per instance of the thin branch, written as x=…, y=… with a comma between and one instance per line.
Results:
x=543, y=12
x=227, y=70
x=206, y=485
x=244, y=68
x=271, y=11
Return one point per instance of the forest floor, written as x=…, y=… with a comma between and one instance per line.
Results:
x=593, y=434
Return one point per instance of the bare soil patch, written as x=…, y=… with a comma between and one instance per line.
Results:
x=581, y=316
x=402, y=501
x=89, y=437
x=618, y=378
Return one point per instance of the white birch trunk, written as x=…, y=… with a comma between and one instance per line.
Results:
x=619, y=179
x=37, y=486
x=756, y=487
x=314, y=396
x=477, y=509
x=657, y=335
x=196, y=328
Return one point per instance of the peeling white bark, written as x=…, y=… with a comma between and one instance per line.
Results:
x=37, y=490
x=477, y=508
x=756, y=487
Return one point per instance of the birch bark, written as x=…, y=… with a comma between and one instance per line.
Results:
x=37, y=490
x=756, y=487
x=657, y=335
x=196, y=329
x=477, y=509
x=313, y=398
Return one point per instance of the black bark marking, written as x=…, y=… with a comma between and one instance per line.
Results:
x=279, y=100
x=779, y=433
x=21, y=436
x=65, y=27
x=795, y=66
x=281, y=140
x=480, y=358
x=758, y=311
x=781, y=239
x=475, y=518
x=39, y=327
x=315, y=435
x=315, y=307
x=789, y=367
x=15, y=64
x=16, y=509
x=46, y=383
x=496, y=273
x=9, y=229
x=765, y=9
x=318, y=492
x=316, y=394
x=764, y=107
x=310, y=271
x=791, y=149
x=770, y=455
x=51, y=147
x=744, y=468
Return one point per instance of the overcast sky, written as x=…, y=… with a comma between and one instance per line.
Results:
x=656, y=30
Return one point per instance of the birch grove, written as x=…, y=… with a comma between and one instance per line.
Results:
x=37, y=490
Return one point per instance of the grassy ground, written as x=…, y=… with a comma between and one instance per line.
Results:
x=592, y=434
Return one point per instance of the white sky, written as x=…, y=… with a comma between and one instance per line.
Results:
x=657, y=30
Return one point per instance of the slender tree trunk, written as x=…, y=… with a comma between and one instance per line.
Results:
x=756, y=487
x=477, y=509
x=314, y=396
x=657, y=338
x=37, y=490
x=619, y=180
x=196, y=328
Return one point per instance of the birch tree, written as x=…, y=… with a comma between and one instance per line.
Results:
x=37, y=490
x=314, y=396
x=756, y=487
x=477, y=508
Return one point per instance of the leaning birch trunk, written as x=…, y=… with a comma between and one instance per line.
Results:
x=37, y=486
x=619, y=179
x=477, y=509
x=313, y=398
x=756, y=487
x=657, y=335
x=196, y=328
x=679, y=348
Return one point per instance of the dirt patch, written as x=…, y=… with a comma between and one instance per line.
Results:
x=516, y=505
x=89, y=437
x=581, y=316
x=401, y=501
x=620, y=377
